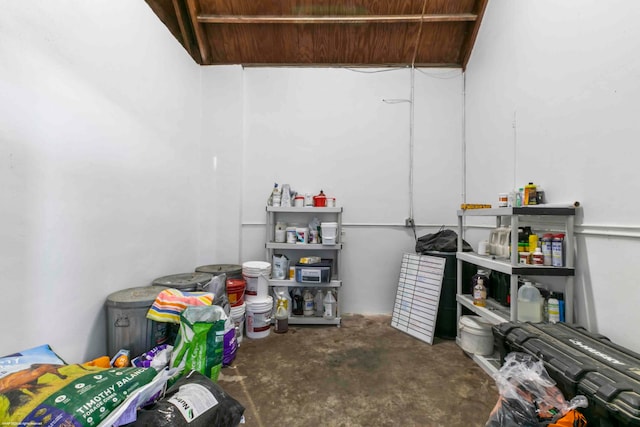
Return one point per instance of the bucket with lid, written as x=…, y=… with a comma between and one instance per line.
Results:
x=258, y=317
x=184, y=281
x=238, y=316
x=235, y=291
x=476, y=336
x=329, y=232
x=127, y=324
x=256, y=274
x=233, y=271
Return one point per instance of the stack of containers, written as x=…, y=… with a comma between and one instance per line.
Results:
x=258, y=302
x=232, y=293
x=184, y=282
x=227, y=271
x=235, y=290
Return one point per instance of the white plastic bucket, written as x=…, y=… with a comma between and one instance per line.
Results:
x=259, y=317
x=257, y=287
x=256, y=274
x=329, y=232
x=476, y=336
x=237, y=315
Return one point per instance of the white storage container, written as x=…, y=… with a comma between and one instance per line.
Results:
x=476, y=336
x=329, y=231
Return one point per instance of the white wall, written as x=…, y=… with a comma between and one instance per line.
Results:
x=124, y=161
x=107, y=183
x=330, y=129
x=99, y=133
x=221, y=165
x=552, y=90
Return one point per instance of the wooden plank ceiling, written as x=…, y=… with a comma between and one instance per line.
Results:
x=363, y=33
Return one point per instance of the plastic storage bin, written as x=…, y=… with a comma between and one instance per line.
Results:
x=314, y=273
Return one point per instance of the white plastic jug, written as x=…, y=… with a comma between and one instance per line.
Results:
x=329, y=306
x=530, y=304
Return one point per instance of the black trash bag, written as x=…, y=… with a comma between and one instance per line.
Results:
x=193, y=401
x=443, y=241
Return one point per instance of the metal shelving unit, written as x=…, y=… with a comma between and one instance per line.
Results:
x=295, y=251
x=539, y=217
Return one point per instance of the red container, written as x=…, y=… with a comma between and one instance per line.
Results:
x=320, y=201
x=235, y=291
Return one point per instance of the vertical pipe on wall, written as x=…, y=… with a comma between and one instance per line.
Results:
x=411, y=138
x=464, y=138
x=412, y=109
x=514, y=124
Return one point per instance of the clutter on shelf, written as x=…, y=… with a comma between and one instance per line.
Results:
x=286, y=197
x=304, y=243
x=529, y=195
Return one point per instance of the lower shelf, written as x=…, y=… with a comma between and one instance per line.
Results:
x=489, y=364
x=494, y=311
x=294, y=284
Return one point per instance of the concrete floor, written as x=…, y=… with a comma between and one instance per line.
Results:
x=365, y=373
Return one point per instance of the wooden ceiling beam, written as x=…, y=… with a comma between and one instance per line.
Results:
x=353, y=19
x=467, y=45
x=187, y=36
x=203, y=45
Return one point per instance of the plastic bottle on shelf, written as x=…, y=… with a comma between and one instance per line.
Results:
x=530, y=194
x=329, y=306
x=298, y=302
x=554, y=309
x=308, y=308
x=538, y=257
x=545, y=245
x=533, y=242
x=526, y=238
x=480, y=283
x=318, y=301
x=520, y=197
x=540, y=199
x=282, y=318
x=544, y=293
x=530, y=304
x=557, y=258
x=561, y=306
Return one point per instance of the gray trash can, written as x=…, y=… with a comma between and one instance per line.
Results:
x=127, y=324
